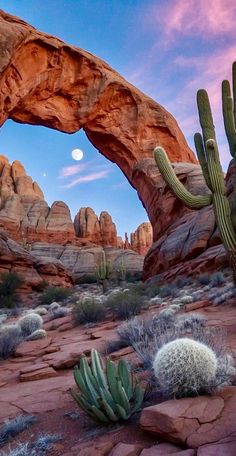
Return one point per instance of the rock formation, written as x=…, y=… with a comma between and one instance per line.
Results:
x=142, y=238
x=13, y=258
x=101, y=231
x=24, y=214
x=82, y=261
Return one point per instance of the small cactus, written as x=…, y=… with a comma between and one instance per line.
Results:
x=106, y=396
x=185, y=367
x=103, y=272
x=30, y=323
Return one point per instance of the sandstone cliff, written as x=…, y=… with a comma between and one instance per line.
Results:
x=100, y=231
x=142, y=238
x=24, y=214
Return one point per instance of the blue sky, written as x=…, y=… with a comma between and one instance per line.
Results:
x=167, y=48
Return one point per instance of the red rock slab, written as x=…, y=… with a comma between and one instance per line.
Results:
x=224, y=448
x=125, y=449
x=103, y=327
x=90, y=449
x=196, y=305
x=157, y=451
x=33, y=367
x=34, y=347
x=70, y=354
x=122, y=352
x=38, y=374
x=195, y=421
x=57, y=322
x=6, y=410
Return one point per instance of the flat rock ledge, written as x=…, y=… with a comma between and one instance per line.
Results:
x=208, y=422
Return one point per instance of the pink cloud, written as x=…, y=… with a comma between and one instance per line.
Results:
x=73, y=169
x=88, y=178
x=209, y=18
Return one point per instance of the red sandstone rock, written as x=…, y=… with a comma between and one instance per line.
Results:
x=14, y=258
x=38, y=374
x=142, y=238
x=193, y=421
x=100, y=231
x=125, y=449
x=165, y=449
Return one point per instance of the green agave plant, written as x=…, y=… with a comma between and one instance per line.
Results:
x=106, y=396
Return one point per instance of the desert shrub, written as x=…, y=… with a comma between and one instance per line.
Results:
x=185, y=367
x=40, y=447
x=10, y=282
x=45, y=442
x=30, y=323
x=217, y=279
x=38, y=334
x=125, y=304
x=52, y=294
x=41, y=311
x=88, y=310
x=10, y=337
x=181, y=282
x=204, y=279
x=168, y=290
x=115, y=345
x=59, y=312
x=86, y=278
x=148, y=335
x=13, y=427
x=152, y=291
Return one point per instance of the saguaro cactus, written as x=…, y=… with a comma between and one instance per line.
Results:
x=208, y=156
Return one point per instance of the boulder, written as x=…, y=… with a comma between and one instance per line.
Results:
x=194, y=421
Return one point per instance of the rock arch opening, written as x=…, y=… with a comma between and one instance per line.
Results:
x=49, y=83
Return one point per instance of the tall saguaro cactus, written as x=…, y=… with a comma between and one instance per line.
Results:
x=208, y=156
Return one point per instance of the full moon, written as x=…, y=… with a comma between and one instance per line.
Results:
x=77, y=154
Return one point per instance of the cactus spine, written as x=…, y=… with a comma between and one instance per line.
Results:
x=106, y=397
x=208, y=156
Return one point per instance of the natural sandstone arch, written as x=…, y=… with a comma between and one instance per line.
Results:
x=44, y=81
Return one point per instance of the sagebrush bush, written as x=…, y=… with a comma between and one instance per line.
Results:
x=10, y=337
x=14, y=426
x=185, y=367
x=217, y=279
x=125, y=304
x=10, y=282
x=88, y=310
x=30, y=323
x=59, y=312
x=168, y=290
x=52, y=294
x=204, y=279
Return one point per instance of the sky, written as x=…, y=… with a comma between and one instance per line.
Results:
x=167, y=48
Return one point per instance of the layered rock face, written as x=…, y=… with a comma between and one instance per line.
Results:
x=24, y=213
x=101, y=231
x=82, y=261
x=13, y=258
x=142, y=238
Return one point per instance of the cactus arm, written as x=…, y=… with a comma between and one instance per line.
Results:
x=234, y=87
x=223, y=218
x=214, y=167
x=228, y=115
x=165, y=168
x=205, y=115
x=199, y=146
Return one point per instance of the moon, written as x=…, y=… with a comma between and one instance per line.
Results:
x=77, y=154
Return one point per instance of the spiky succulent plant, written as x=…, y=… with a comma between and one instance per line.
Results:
x=106, y=396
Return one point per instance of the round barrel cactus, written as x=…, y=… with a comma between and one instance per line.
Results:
x=185, y=367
